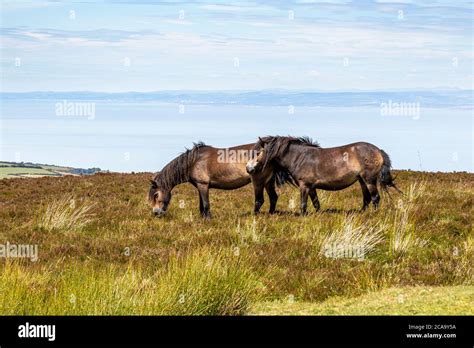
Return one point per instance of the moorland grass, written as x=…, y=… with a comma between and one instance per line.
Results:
x=205, y=282
x=423, y=238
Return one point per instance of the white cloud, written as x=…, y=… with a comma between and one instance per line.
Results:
x=37, y=36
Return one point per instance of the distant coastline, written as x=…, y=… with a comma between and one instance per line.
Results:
x=456, y=98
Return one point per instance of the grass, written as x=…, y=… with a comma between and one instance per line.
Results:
x=31, y=170
x=65, y=214
x=7, y=172
x=206, y=282
x=354, y=239
x=114, y=256
x=421, y=300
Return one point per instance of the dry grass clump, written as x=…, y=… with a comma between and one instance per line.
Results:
x=403, y=237
x=66, y=214
x=353, y=239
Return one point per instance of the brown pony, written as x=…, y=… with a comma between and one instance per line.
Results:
x=312, y=167
x=207, y=167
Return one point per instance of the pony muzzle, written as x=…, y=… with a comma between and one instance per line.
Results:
x=250, y=168
x=158, y=212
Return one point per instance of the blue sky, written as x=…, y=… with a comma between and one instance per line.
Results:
x=117, y=46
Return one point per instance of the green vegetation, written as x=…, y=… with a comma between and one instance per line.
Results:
x=206, y=282
x=98, y=241
x=443, y=300
x=34, y=170
x=10, y=171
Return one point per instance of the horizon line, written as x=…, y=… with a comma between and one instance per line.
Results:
x=435, y=89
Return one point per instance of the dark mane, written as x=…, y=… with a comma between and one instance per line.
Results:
x=308, y=141
x=177, y=171
x=278, y=145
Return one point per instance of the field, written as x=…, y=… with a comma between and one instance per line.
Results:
x=34, y=170
x=100, y=250
x=7, y=172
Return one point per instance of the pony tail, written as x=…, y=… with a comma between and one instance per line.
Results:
x=386, y=179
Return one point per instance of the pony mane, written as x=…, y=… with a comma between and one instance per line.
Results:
x=305, y=140
x=177, y=171
x=278, y=145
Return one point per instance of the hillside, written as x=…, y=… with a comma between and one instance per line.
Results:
x=34, y=170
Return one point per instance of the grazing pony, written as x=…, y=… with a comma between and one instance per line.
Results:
x=312, y=167
x=207, y=167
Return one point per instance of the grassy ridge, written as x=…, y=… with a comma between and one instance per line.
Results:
x=98, y=230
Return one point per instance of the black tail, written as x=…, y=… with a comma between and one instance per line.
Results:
x=386, y=178
x=283, y=177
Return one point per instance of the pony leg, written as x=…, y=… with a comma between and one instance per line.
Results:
x=374, y=193
x=259, y=198
x=270, y=188
x=366, y=193
x=201, y=204
x=304, y=191
x=204, y=197
x=314, y=199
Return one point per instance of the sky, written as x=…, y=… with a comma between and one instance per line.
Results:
x=333, y=45
x=281, y=47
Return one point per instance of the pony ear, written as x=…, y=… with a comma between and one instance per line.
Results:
x=153, y=184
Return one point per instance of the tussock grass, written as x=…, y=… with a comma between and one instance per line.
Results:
x=403, y=233
x=464, y=255
x=66, y=214
x=208, y=283
x=401, y=225
x=354, y=238
x=415, y=191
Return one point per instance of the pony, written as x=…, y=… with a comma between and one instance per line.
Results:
x=312, y=167
x=206, y=167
